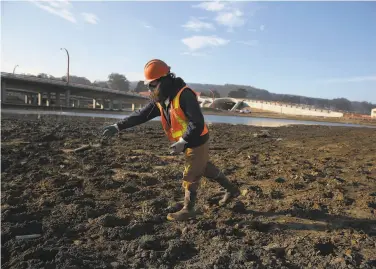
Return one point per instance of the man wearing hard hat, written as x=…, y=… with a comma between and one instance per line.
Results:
x=184, y=124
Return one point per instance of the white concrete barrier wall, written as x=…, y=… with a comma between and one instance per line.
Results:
x=293, y=110
x=278, y=108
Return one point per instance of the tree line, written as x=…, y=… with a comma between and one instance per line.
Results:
x=250, y=92
x=119, y=82
x=339, y=104
x=114, y=81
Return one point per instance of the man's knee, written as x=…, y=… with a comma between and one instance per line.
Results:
x=191, y=185
x=193, y=172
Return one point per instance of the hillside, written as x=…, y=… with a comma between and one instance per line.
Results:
x=118, y=81
x=260, y=94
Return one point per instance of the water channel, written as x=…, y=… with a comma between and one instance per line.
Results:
x=254, y=121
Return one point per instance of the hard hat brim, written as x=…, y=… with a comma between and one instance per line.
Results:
x=147, y=82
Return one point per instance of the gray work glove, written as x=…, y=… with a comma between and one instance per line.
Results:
x=110, y=131
x=179, y=146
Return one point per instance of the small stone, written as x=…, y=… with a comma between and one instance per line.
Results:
x=263, y=133
x=244, y=192
x=115, y=264
x=340, y=196
x=77, y=242
x=153, y=255
x=206, y=207
x=338, y=260
x=290, y=252
x=340, y=179
x=280, y=180
x=271, y=246
x=239, y=207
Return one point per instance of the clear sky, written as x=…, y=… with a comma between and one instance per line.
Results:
x=318, y=49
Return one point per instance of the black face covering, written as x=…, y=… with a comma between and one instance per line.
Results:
x=164, y=90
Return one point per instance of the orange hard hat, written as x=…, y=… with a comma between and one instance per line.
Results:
x=155, y=69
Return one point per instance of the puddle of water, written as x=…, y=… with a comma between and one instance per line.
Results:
x=254, y=121
x=273, y=122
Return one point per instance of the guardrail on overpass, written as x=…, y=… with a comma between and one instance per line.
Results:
x=42, y=86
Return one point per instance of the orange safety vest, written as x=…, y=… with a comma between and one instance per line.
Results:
x=179, y=121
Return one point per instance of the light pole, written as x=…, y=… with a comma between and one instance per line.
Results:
x=68, y=63
x=213, y=96
x=14, y=69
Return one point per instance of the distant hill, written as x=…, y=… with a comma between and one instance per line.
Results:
x=340, y=104
x=233, y=90
x=132, y=85
x=237, y=91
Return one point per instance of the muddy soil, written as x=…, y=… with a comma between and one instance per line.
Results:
x=308, y=198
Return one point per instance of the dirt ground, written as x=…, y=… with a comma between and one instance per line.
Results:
x=308, y=198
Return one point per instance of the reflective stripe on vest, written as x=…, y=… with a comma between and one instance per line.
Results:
x=179, y=122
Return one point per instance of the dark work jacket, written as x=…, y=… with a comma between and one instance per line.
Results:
x=190, y=107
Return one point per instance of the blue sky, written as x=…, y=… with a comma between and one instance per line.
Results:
x=319, y=49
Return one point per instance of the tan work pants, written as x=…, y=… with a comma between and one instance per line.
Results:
x=197, y=164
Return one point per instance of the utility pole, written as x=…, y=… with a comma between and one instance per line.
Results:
x=212, y=92
x=68, y=63
x=14, y=69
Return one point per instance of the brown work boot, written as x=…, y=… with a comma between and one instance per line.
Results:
x=231, y=189
x=214, y=174
x=187, y=211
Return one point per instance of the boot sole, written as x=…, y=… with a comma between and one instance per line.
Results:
x=170, y=218
x=232, y=197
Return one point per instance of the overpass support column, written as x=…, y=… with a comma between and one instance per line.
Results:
x=39, y=99
x=26, y=99
x=3, y=92
x=94, y=103
x=111, y=104
x=58, y=99
x=35, y=99
x=237, y=105
x=67, y=98
x=78, y=102
x=132, y=107
x=48, y=102
x=140, y=106
x=102, y=103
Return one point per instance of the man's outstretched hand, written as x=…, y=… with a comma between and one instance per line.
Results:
x=110, y=131
x=178, y=147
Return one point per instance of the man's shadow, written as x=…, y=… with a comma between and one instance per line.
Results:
x=331, y=222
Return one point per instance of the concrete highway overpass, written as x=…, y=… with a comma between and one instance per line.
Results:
x=233, y=104
x=59, y=93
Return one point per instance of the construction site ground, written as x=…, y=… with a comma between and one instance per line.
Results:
x=308, y=197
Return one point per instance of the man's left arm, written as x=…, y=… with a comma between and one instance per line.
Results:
x=192, y=110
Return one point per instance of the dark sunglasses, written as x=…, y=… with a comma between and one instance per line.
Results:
x=152, y=85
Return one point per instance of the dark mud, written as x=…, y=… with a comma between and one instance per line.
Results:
x=308, y=198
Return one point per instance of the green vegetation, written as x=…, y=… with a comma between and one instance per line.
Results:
x=120, y=82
